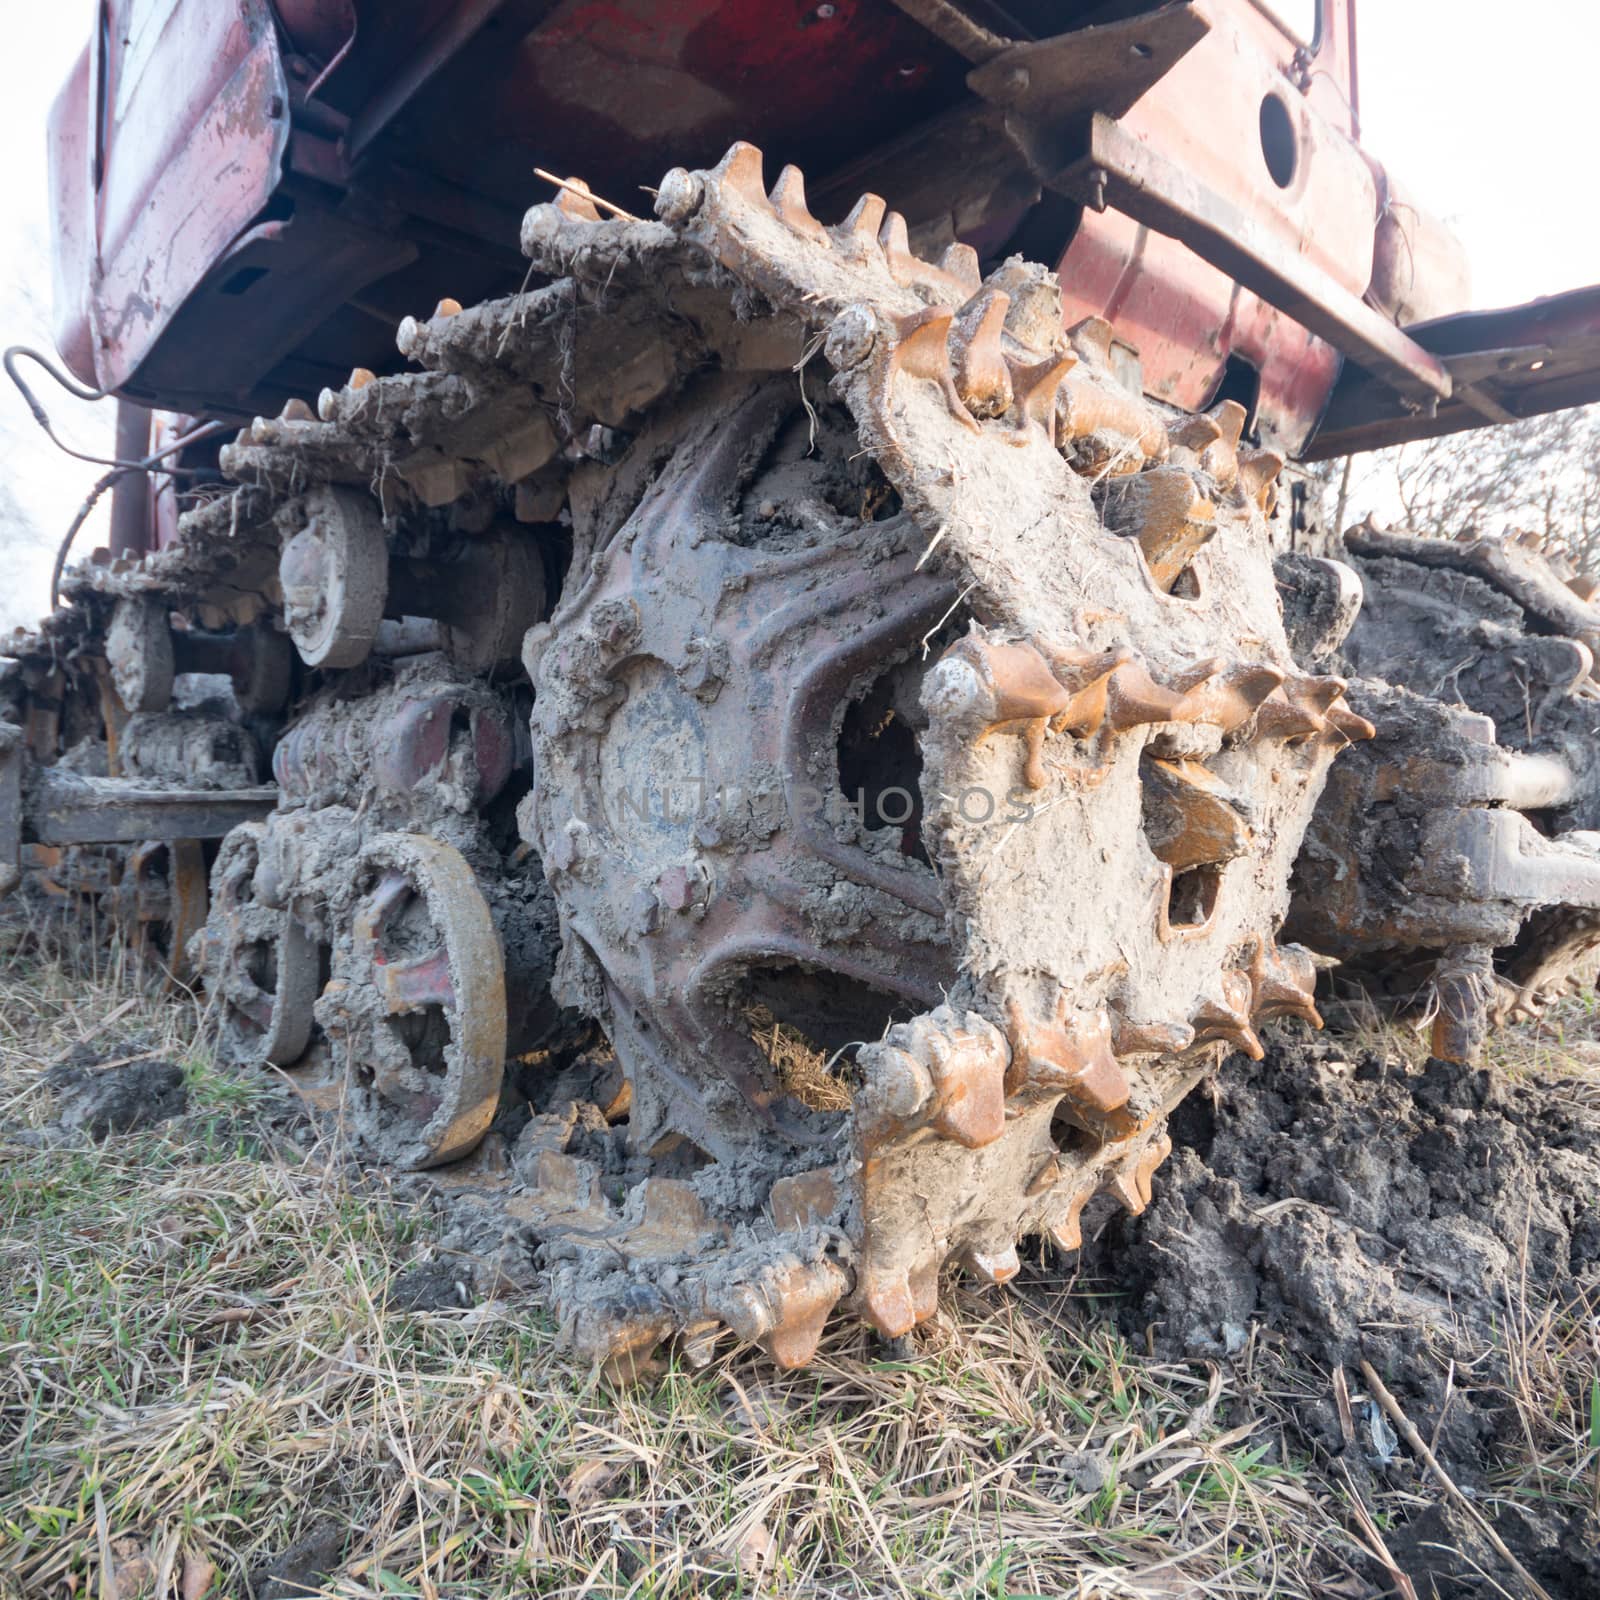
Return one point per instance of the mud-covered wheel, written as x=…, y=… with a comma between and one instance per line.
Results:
x=335, y=577
x=140, y=655
x=261, y=965
x=417, y=1005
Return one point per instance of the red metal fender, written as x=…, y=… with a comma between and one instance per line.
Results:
x=166, y=143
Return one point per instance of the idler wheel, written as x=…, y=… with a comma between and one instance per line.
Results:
x=261, y=964
x=418, y=1003
x=335, y=577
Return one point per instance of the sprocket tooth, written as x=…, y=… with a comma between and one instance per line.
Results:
x=910, y=271
x=621, y=1335
x=575, y=201
x=1067, y=1054
x=1092, y=337
x=1316, y=694
x=1086, y=676
x=788, y=199
x=1131, y=1182
x=982, y=378
x=740, y=173
x=1194, y=433
x=1221, y=459
x=919, y=348
x=1281, y=717
x=962, y=1060
x=1065, y=1227
x=1129, y=1038
x=1351, y=725
x=1228, y=697
x=994, y=1264
x=895, y=242
x=1226, y=1015
x=1167, y=512
x=1007, y=688
x=859, y=230
x=1126, y=432
x=1191, y=818
x=784, y=1310
x=1258, y=478
x=1134, y=699
x=1034, y=387
x=960, y=263
x=296, y=410
x=1283, y=980
x=446, y=309
x=895, y=1302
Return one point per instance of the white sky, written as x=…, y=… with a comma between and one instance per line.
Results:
x=1488, y=115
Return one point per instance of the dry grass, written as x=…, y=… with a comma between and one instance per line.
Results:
x=200, y=1366
x=803, y=1069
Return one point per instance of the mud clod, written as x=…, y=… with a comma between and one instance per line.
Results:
x=305, y=1568
x=1326, y=1208
x=101, y=1101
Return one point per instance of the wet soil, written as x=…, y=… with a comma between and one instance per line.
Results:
x=1327, y=1206
x=102, y=1097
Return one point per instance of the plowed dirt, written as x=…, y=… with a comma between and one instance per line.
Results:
x=1330, y=1205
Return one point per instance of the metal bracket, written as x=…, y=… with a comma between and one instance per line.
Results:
x=1152, y=190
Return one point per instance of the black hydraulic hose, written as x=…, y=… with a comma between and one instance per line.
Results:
x=119, y=469
x=151, y=463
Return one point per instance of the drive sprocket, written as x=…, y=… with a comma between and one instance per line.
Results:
x=983, y=573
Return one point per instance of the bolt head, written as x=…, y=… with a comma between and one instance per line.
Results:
x=852, y=337
x=679, y=196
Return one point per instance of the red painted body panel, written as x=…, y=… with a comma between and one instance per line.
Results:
x=72, y=261
x=272, y=203
x=189, y=127
x=1183, y=316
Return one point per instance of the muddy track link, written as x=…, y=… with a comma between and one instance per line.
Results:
x=911, y=684
x=1454, y=864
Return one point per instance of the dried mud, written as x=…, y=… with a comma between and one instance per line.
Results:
x=1329, y=1205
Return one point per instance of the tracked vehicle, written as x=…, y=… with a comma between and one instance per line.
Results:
x=765, y=737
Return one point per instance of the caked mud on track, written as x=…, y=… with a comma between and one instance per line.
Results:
x=974, y=655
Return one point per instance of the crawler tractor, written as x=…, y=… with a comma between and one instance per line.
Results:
x=769, y=736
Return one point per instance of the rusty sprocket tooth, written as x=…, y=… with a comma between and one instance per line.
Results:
x=1034, y=386
x=860, y=228
x=788, y=199
x=982, y=378
x=1283, y=980
x=919, y=348
x=1226, y=1015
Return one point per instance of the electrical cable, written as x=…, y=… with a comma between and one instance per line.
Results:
x=151, y=463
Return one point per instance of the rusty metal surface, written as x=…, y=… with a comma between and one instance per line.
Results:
x=910, y=681
x=435, y=112
x=1149, y=187
x=190, y=151
x=421, y=954
x=63, y=808
x=791, y=647
x=1531, y=359
x=260, y=962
